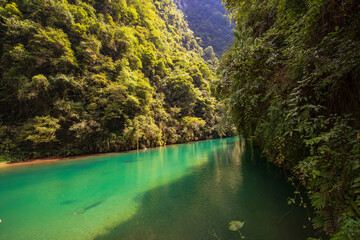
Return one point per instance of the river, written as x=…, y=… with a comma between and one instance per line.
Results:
x=188, y=191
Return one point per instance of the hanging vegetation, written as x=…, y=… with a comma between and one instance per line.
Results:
x=292, y=81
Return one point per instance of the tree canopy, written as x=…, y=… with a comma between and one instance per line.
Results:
x=84, y=76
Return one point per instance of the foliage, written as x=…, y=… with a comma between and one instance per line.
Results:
x=96, y=76
x=290, y=81
x=236, y=226
x=192, y=128
x=349, y=231
x=210, y=23
x=40, y=130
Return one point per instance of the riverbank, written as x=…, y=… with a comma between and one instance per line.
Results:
x=50, y=160
x=85, y=156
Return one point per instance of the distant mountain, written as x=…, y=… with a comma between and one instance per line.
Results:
x=208, y=20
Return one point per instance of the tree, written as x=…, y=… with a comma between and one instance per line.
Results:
x=192, y=127
x=40, y=130
x=181, y=93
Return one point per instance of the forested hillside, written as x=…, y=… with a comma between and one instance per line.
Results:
x=98, y=76
x=292, y=80
x=208, y=20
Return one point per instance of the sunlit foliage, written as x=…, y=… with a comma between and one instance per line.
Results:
x=87, y=76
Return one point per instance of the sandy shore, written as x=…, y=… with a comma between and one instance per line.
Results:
x=50, y=160
x=35, y=161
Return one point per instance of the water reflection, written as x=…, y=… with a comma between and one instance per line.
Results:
x=178, y=192
x=36, y=202
x=230, y=186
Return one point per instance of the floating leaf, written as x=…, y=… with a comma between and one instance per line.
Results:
x=236, y=225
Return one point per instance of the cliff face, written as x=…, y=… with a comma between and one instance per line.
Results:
x=208, y=20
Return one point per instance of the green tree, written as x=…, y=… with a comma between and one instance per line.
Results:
x=40, y=130
x=192, y=127
x=181, y=93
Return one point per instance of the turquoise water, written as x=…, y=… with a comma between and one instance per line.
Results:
x=188, y=191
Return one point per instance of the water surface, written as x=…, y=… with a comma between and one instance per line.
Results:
x=188, y=191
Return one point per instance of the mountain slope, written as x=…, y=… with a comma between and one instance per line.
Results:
x=208, y=20
x=98, y=76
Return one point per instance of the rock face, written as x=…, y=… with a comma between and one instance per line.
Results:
x=208, y=20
